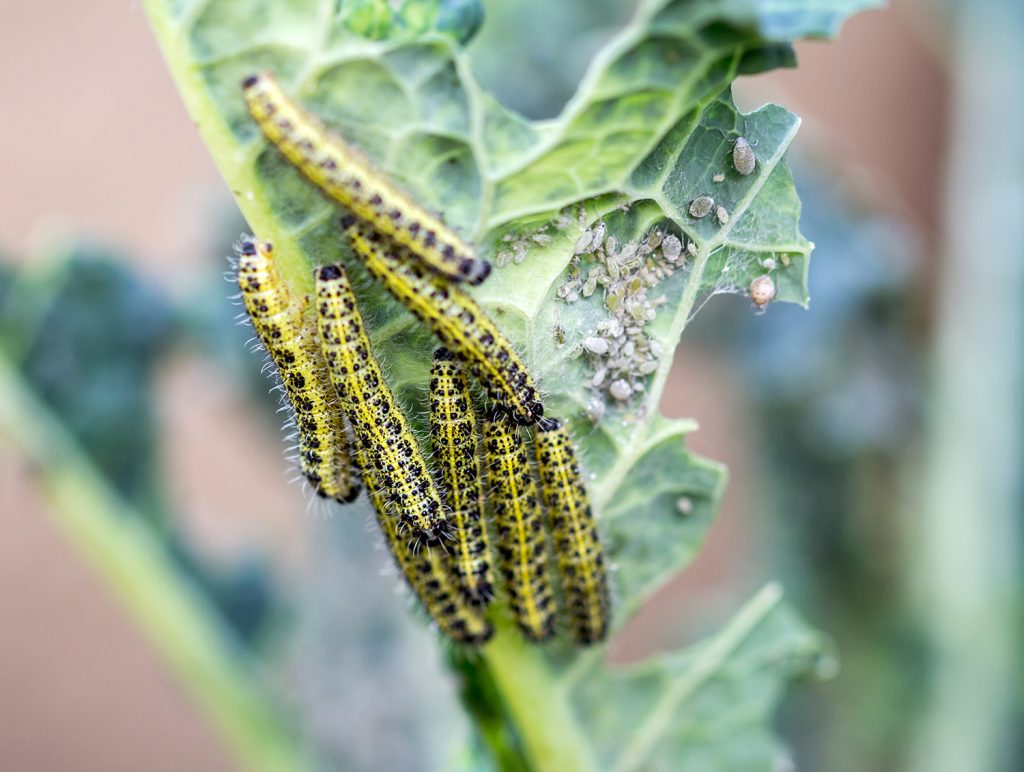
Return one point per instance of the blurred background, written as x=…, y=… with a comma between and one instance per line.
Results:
x=874, y=441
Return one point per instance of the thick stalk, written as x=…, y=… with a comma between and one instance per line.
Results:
x=537, y=706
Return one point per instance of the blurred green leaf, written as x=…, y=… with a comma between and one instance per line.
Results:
x=650, y=127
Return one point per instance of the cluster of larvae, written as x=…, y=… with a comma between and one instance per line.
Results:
x=439, y=527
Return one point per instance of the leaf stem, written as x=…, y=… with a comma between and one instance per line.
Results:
x=537, y=704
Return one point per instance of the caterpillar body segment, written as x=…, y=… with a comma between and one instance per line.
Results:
x=453, y=434
x=279, y=322
x=454, y=317
x=345, y=175
x=520, y=526
x=427, y=573
x=579, y=554
x=382, y=433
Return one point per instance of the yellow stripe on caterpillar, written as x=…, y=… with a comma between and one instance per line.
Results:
x=280, y=324
x=521, y=545
x=345, y=175
x=453, y=434
x=578, y=551
x=454, y=317
x=382, y=432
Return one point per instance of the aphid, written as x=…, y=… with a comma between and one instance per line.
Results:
x=671, y=248
x=578, y=550
x=691, y=247
x=520, y=525
x=743, y=158
x=345, y=175
x=684, y=505
x=762, y=290
x=722, y=214
x=701, y=206
x=279, y=321
x=454, y=317
x=382, y=433
x=595, y=345
x=453, y=434
x=620, y=389
x=718, y=177
x=427, y=572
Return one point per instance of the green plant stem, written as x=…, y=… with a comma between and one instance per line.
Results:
x=173, y=613
x=537, y=704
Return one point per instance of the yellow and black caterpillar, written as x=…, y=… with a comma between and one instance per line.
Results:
x=578, y=551
x=453, y=434
x=347, y=176
x=520, y=526
x=427, y=572
x=454, y=317
x=382, y=433
x=279, y=322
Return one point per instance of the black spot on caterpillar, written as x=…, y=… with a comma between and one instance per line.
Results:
x=280, y=324
x=382, y=433
x=454, y=317
x=578, y=551
x=345, y=175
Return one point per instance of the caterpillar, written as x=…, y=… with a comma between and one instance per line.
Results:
x=518, y=517
x=279, y=322
x=453, y=434
x=427, y=572
x=345, y=175
x=578, y=550
x=454, y=317
x=382, y=433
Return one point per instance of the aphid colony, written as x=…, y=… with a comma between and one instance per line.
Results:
x=436, y=527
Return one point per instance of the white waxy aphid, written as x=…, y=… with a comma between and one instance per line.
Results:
x=692, y=248
x=620, y=389
x=718, y=177
x=743, y=157
x=762, y=290
x=701, y=206
x=583, y=243
x=722, y=214
x=671, y=248
x=595, y=345
x=769, y=264
x=595, y=409
x=685, y=505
